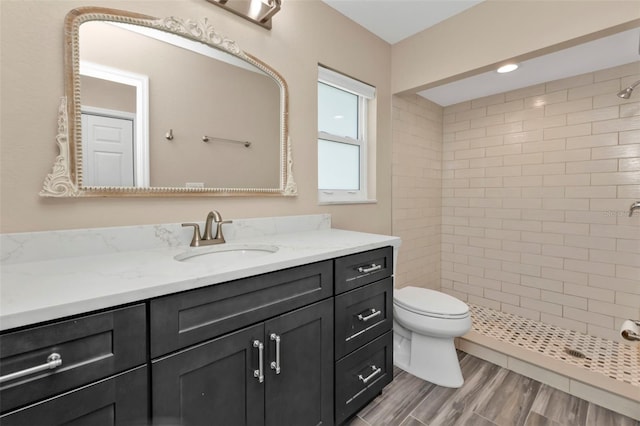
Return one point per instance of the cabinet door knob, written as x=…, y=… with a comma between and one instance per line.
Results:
x=372, y=315
x=366, y=270
x=275, y=365
x=259, y=373
x=53, y=361
x=375, y=372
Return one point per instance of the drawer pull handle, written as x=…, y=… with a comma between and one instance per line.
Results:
x=375, y=372
x=53, y=361
x=275, y=365
x=371, y=268
x=259, y=373
x=372, y=315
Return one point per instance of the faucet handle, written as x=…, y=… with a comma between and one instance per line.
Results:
x=195, y=241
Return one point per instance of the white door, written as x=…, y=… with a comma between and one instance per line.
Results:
x=107, y=145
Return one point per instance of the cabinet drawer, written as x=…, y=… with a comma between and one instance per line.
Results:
x=91, y=347
x=362, y=315
x=194, y=316
x=360, y=269
x=119, y=400
x=362, y=375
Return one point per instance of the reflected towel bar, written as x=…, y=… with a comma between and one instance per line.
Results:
x=206, y=138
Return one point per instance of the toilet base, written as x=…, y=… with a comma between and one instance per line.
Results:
x=433, y=359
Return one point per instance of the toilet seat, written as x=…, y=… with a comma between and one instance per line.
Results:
x=431, y=303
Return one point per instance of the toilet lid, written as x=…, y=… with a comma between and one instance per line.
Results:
x=430, y=302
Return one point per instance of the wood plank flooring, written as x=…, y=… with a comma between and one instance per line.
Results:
x=490, y=396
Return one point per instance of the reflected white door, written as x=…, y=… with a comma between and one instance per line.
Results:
x=107, y=145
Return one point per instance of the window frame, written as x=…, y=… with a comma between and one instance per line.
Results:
x=365, y=94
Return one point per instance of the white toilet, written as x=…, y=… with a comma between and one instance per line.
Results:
x=424, y=325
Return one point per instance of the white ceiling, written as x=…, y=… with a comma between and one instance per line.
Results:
x=395, y=20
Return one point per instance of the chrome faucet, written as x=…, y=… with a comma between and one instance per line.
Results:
x=633, y=207
x=208, y=239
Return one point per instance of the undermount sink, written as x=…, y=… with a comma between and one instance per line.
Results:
x=225, y=253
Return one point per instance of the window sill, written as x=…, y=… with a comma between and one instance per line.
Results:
x=327, y=203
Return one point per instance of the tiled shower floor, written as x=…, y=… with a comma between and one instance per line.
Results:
x=615, y=360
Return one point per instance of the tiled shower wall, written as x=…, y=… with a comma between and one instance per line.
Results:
x=536, y=189
x=417, y=189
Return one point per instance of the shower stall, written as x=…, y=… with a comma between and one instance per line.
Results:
x=523, y=200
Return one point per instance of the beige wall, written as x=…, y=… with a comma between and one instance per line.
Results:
x=32, y=83
x=498, y=30
x=417, y=189
x=537, y=185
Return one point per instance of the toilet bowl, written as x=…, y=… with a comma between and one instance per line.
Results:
x=425, y=323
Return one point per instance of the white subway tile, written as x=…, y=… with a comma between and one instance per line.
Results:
x=564, y=275
x=590, y=191
x=604, y=87
x=629, y=164
x=523, y=312
x=521, y=268
x=552, y=97
x=589, y=292
x=523, y=137
x=570, y=155
x=593, y=166
x=540, y=306
x=628, y=299
x=629, y=137
x=566, y=252
x=567, y=180
x=501, y=297
x=594, y=115
x=486, y=141
x=568, y=107
x=488, y=100
x=590, y=242
x=543, y=169
x=545, y=123
x=502, y=255
x=570, y=82
x=514, y=105
x=632, y=246
x=502, y=276
x=534, y=158
x=485, y=283
x=522, y=204
x=565, y=204
x=568, y=131
x=504, y=150
x=616, y=257
x=486, y=162
x=543, y=283
x=522, y=115
x=612, y=309
x=526, y=92
x=564, y=299
x=619, y=178
x=522, y=181
x=534, y=259
x=617, y=125
x=590, y=267
x=544, y=215
x=628, y=272
x=605, y=139
x=626, y=285
x=470, y=114
x=630, y=69
x=541, y=146
x=469, y=153
x=482, y=301
x=539, y=237
x=485, y=122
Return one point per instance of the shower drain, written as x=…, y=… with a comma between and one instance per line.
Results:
x=574, y=352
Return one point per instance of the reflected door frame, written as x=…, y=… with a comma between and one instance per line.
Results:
x=141, y=129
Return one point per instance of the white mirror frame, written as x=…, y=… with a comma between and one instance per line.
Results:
x=65, y=179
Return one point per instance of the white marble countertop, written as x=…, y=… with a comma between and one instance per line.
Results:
x=42, y=290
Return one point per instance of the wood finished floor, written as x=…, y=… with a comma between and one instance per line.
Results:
x=490, y=396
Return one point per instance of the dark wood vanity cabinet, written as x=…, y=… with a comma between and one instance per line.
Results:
x=85, y=370
x=275, y=373
x=308, y=345
x=363, y=336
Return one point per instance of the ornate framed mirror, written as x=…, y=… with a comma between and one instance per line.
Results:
x=166, y=107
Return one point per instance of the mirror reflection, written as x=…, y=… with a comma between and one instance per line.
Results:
x=190, y=94
x=166, y=106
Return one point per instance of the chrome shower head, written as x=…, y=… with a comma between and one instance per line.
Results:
x=626, y=93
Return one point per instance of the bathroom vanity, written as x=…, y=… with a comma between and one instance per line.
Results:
x=305, y=340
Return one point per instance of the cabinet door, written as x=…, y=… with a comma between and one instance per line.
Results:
x=302, y=393
x=212, y=383
x=119, y=400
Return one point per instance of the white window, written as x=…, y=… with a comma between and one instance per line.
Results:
x=342, y=137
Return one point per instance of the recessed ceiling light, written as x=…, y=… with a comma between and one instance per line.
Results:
x=507, y=68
